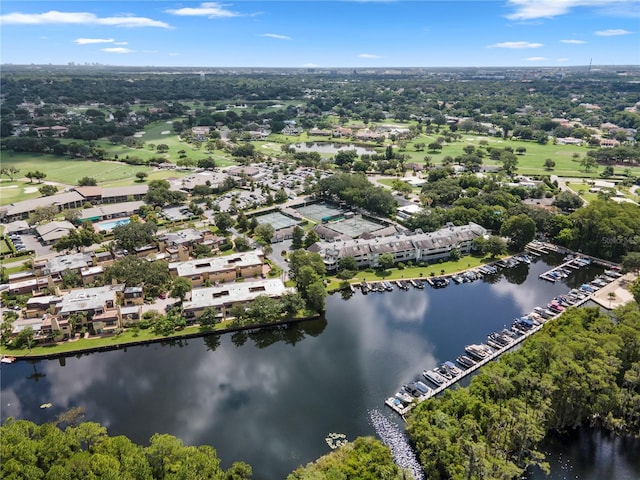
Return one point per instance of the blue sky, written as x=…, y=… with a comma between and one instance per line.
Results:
x=308, y=33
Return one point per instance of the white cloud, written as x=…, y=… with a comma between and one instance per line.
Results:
x=275, y=35
x=530, y=9
x=117, y=50
x=174, y=54
x=79, y=18
x=91, y=41
x=368, y=55
x=206, y=9
x=535, y=59
x=613, y=32
x=516, y=45
x=573, y=42
x=562, y=59
x=310, y=65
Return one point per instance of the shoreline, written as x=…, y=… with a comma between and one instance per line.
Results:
x=18, y=356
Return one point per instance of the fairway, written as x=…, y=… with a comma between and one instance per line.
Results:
x=16, y=191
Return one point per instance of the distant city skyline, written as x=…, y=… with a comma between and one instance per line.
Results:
x=322, y=34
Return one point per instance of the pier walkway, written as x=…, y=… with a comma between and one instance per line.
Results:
x=559, y=272
x=390, y=402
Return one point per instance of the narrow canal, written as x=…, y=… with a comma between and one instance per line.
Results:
x=271, y=398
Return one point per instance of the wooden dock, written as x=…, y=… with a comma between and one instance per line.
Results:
x=497, y=352
x=575, y=264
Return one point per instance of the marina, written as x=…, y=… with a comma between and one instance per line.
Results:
x=442, y=281
x=275, y=380
x=478, y=355
x=564, y=270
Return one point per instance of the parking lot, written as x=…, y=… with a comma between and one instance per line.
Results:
x=24, y=242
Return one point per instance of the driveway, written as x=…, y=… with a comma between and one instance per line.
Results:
x=159, y=304
x=32, y=243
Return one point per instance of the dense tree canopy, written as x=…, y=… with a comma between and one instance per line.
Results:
x=356, y=191
x=581, y=369
x=364, y=459
x=85, y=451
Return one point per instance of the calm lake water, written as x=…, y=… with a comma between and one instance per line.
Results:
x=271, y=398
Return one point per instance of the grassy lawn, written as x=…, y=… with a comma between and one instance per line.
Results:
x=4, y=247
x=68, y=171
x=16, y=191
x=529, y=163
x=124, y=338
x=582, y=189
x=415, y=272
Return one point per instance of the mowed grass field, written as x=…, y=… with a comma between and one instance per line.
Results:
x=16, y=191
x=67, y=171
x=529, y=163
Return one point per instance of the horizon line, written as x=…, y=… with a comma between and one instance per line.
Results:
x=73, y=64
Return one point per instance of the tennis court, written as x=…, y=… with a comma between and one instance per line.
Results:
x=318, y=211
x=277, y=220
x=354, y=226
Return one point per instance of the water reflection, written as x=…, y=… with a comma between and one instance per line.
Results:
x=271, y=397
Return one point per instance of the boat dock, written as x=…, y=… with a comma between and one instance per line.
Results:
x=563, y=271
x=523, y=328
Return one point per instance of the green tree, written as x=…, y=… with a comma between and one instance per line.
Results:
x=71, y=279
x=588, y=162
x=264, y=232
x=224, y=221
x=364, y=459
x=311, y=238
x=10, y=171
x=634, y=288
x=567, y=201
x=201, y=191
x=385, y=261
x=349, y=263
x=292, y=303
x=208, y=318
x=48, y=190
x=43, y=214
x=520, y=229
x=509, y=162
x=24, y=338
x=315, y=296
x=87, y=182
x=133, y=235
x=631, y=262
x=242, y=244
x=159, y=194
x=264, y=309
x=207, y=163
x=297, y=238
x=6, y=329
x=494, y=246
x=141, y=176
x=549, y=164
x=181, y=286
x=154, y=277
x=301, y=258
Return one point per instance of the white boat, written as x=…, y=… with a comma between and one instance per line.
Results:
x=434, y=377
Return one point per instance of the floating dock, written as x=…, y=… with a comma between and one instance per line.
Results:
x=560, y=272
x=523, y=334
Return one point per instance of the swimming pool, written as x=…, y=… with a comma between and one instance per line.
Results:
x=110, y=224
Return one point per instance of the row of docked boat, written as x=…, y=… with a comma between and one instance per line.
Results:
x=443, y=281
x=437, y=379
x=388, y=286
x=569, y=264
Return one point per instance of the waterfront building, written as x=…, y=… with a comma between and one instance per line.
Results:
x=416, y=246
